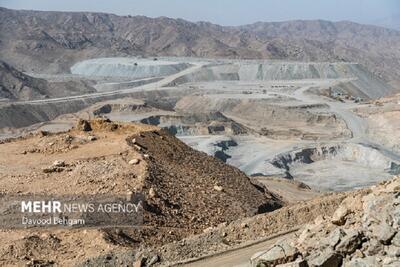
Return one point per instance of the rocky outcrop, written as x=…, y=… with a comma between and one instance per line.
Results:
x=363, y=231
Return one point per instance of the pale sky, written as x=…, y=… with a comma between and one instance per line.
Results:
x=226, y=12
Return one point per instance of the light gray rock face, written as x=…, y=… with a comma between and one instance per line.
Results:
x=133, y=68
x=357, y=80
x=325, y=258
x=363, y=232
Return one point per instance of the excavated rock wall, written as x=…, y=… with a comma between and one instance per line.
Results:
x=134, y=68
x=360, y=82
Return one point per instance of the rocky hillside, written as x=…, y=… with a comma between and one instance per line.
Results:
x=15, y=85
x=52, y=41
x=363, y=231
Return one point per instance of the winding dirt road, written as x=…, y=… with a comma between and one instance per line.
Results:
x=239, y=257
x=147, y=87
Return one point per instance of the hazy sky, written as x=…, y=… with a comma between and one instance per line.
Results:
x=226, y=12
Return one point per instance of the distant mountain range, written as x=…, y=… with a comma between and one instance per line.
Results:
x=53, y=41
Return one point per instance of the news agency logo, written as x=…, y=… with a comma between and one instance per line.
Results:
x=72, y=211
x=58, y=207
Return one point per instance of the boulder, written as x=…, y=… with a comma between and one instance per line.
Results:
x=92, y=138
x=372, y=247
x=349, y=242
x=153, y=260
x=134, y=161
x=305, y=237
x=325, y=258
x=59, y=163
x=335, y=237
x=383, y=232
x=152, y=193
x=218, y=188
x=339, y=217
x=280, y=253
x=83, y=125
x=374, y=211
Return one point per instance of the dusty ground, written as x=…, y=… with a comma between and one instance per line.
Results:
x=96, y=166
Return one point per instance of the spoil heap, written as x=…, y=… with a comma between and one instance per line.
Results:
x=182, y=184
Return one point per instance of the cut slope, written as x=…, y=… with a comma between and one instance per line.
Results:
x=133, y=68
x=356, y=79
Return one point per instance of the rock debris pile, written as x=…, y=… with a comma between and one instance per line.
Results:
x=363, y=231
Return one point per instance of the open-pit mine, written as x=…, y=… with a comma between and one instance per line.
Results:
x=295, y=120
